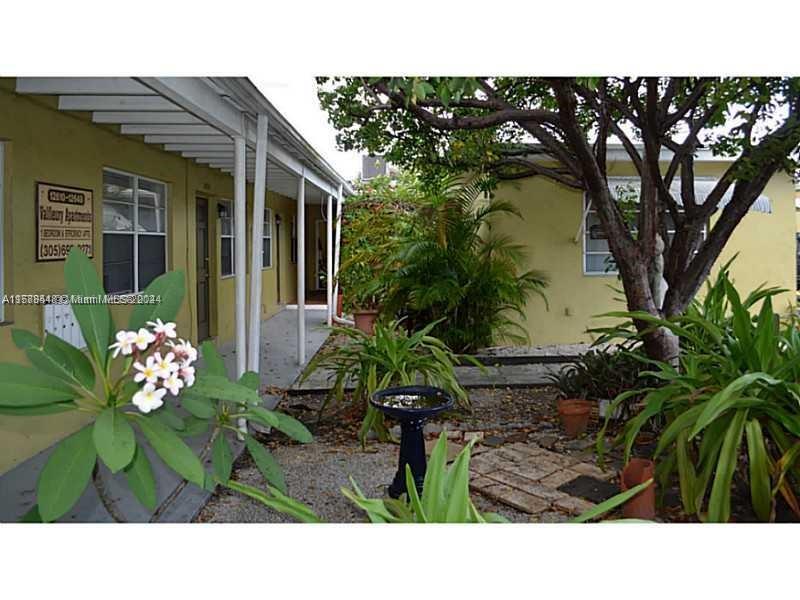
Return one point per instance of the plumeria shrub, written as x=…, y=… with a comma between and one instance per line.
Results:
x=134, y=379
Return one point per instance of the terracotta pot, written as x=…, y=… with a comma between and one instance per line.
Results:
x=643, y=504
x=365, y=320
x=339, y=300
x=574, y=415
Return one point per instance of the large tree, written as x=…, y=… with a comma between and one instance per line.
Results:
x=560, y=128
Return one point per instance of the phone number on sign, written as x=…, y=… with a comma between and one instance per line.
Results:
x=25, y=299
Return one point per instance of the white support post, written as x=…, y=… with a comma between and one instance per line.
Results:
x=260, y=191
x=240, y=262
x=338, y=247
x=301, y=269
x=329, y=258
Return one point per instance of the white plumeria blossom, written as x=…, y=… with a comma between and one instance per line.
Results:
x=124, y=343
x=143, y=339
x=184, y=350
x=147, y=372
x=173, y=383
x=149, y=398
x=159, y=327
x=165, y=366
x=188, y=375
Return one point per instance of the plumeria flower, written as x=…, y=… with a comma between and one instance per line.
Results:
x=173, y=383
x=165, y=366
x=124, y=343
x=185, y=351
x=165, y=329
x=188, y=375
x=143, y=339
x=147, y=372
x=149, y=398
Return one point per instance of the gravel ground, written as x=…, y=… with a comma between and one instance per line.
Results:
x=315, y=472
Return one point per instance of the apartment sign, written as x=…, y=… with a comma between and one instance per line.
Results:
x=64, y=219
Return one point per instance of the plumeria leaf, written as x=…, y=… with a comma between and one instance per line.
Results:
x=222, y=458
x=22, y=386
x=24, y=339
x=170, y=288
x=43, y=409
x=32, y=516
x=200, y=406
x=62, y=360
x=94, y=318
x=293, y=428
x=172, y=449
x=214, y=363
x=139, y=475
x=220, y=388
x=194, y=426
x=114, y=439
x=66, y=474
x=266, y=463
x=250, y=379
x=263, y=416
x=170, y=418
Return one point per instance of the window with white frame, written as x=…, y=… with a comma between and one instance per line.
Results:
x=597, y=258
x=293, y=249
x=134, y=231
x=266, y=249
x=227, y=243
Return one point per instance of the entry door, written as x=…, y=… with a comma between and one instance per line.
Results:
x=321, y=255
x=202, y=270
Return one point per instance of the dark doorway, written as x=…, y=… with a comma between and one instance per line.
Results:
x=203, y=332
x=278, y=254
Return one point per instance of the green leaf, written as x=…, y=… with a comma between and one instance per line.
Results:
x=251, y=380
x=172, y=450
x=261, y=415
x=65, y=475
x=457, y=486
x=170, y=288
x=25, y=387
x=24, y=339
x=33, y=411
x=719, y=503
x=433, y=492
x=760, y=491
x=62, y=360
x=139, y=475
x=94, y=319
x=32, y=516
x=213, y=361
x=611, y=503
x=277, y=501
x=218, y=387
x=114, y=439
x=170, y=418
x=200, y=406
x=413, y=496
x=221, y=458
x=266, y=463
x=194, y=426
x=726, y=398
x=293, y=428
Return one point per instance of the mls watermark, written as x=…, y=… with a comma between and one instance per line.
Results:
x=76, y=299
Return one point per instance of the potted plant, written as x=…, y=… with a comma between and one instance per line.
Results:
x=574, y=409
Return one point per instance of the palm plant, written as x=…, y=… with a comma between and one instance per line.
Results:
x=452, y=269
x=737, y=384
x=388, y=358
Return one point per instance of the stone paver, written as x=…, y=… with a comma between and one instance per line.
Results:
x=525, y=476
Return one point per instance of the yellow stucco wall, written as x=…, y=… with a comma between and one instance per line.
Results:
x=43, y=144
x=551, y=218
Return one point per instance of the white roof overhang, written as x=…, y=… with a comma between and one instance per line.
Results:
x=197, y=118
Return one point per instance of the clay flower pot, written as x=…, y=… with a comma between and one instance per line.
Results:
x=643, y=504
x=575, y=415
x=365, y=320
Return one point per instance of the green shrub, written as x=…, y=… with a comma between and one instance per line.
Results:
x=453, y=270
x=388, y=358
x=731, y=407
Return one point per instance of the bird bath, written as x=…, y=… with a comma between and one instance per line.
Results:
x=411, y=405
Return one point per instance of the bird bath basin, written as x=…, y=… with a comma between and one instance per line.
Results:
x=411, y=405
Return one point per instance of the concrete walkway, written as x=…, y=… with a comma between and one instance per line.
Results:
x=178, y=502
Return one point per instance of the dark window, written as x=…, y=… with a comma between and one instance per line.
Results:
x=134, y=231
x=226, y=229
